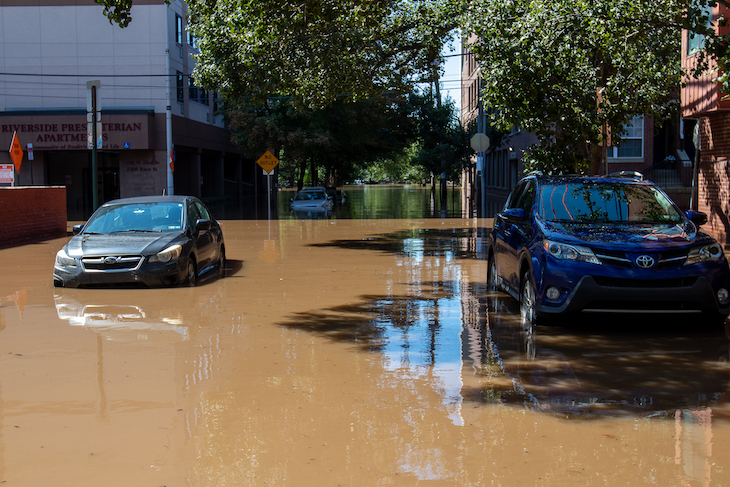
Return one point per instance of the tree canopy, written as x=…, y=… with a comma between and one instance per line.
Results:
x=571, y=71
x=575, y=72
x=347, y=136
x=568, y=70
x=318, y=51
x=337, y=138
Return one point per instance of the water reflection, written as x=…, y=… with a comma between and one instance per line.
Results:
x=474, y=346
x=593, y=366
x=119, y=318
x=379, y=201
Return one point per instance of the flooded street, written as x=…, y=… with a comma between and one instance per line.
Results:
x=345, y=351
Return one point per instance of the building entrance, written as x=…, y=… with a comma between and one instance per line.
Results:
x=73, y=170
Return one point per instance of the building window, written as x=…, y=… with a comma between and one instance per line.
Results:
x=178, y=29
x=203, y=96
x=695, y=42
x=632, y=139
x=192, y=41
x=180, y=89
x=192, y=90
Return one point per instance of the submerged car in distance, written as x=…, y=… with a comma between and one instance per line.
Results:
x=615, y=244
x=313, y=198
x=143, y=241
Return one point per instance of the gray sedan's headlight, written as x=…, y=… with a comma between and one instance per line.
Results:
x=570, y=252
x=63, y=260
x=704, y=254
x=169, y=254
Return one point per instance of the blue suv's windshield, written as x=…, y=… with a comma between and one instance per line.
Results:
x=605, y=202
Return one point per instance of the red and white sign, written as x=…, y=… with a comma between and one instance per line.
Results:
x=7, y=173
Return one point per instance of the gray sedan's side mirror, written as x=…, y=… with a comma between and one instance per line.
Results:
x=202, y=225
x=77, y=228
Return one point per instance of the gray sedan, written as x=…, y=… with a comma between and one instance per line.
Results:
x=144, y=241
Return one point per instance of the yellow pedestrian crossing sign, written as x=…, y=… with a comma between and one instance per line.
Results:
x=268, y=162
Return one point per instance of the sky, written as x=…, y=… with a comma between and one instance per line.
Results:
x=451, y=80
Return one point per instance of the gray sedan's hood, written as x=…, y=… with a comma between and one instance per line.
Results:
x=122, y=243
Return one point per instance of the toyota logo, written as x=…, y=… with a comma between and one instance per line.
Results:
x=644, y=261
x=111, y=260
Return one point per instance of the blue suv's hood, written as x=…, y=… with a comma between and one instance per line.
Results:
x=641, y=235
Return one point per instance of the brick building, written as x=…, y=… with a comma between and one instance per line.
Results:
x=705, y=106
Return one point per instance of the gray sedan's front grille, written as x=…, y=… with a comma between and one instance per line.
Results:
x=112, y=263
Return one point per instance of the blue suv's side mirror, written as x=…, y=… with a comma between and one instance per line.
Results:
x=514, y=214
x=696, y=217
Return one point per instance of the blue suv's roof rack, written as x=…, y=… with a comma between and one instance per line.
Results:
x=627, y=174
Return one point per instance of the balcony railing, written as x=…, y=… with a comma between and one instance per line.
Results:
x=670, y=173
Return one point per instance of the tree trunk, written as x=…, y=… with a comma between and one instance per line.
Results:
x=313, y=172
x=596, y=156
x=302, y=170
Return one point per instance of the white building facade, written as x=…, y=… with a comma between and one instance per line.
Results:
x=149, y=103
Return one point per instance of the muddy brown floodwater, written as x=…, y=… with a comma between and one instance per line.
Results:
x=345, y=352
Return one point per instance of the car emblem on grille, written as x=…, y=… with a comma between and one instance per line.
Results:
x=111, y=260
x=644, y=261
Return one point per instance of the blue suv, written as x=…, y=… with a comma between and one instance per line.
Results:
x=610, y=244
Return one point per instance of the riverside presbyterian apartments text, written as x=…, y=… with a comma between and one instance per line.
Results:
x=71, y=133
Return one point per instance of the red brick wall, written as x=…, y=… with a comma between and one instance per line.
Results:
x=31, y=212
x=714, y=174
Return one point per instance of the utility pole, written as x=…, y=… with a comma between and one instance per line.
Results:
x=169, y=148
x=93, y=119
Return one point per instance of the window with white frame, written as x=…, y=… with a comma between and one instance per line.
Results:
x=632, y=140
x=695, y=42
x=178, y=29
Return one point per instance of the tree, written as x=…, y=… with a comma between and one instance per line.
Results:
x=443, y=141
x=572, y=71
x=318, y=51
x=338, y=138
x=575, y=72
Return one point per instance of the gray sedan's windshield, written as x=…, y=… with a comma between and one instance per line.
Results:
x=310, y=196
x=588, y=202
x=140, y=217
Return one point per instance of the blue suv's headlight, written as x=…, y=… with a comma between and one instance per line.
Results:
x=570, y=252
x=704, y=254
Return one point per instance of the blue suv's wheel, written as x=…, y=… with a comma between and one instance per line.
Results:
x=492, y=275
x=528, y=315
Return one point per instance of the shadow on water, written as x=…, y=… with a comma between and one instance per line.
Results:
x=637, y=368
x=594, y=366
x=588, y=367
x=450, y=243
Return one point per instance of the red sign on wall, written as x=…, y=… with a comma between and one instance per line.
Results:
x=7, y=174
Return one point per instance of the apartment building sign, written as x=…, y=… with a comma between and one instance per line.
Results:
x=69, y=132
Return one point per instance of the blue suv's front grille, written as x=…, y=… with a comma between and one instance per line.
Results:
x=666, y=260
x=613, y=257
